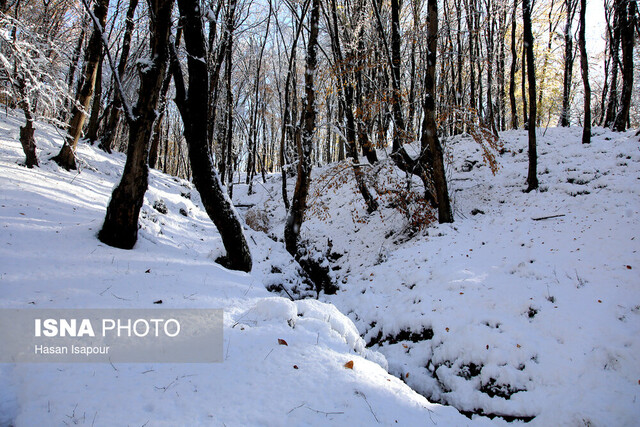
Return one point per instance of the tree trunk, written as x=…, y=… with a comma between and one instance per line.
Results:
x=72, y=69
x=113, y=111
x=429, y=139
x=299, y=202
x=66, y=156
x=614, y=48
x=584, y=66
x=627, y=38
x=193, y=109
x=514, y=62
x=94, y=119
x=120, y=228
x=532, y=177
x=523, y=87
x=346, y=97
x=568, y=63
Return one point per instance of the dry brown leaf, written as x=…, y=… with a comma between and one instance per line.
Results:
x=282, y=342
x=349, y=364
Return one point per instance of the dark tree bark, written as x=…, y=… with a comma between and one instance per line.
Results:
x=120, y=228
x=514, y=63
x=584, y=66
x=532, y=177
x=429, y=139
x=570, y=8
x=523, y=87
x=66, y=156
x=303, y=181
x=627, y=39
x=192, y=105
x=113, y=113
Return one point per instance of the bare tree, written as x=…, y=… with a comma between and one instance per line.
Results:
x=429, y=141
x=192, y=104
x=299, y=202
x=120, y=228
x=532, y=176
x=66, y=156
x=584, y=66
x=627, y=21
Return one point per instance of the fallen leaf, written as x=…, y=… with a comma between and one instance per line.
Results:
x=487, y=346
x=148, y=271
x=600, y=301
x=405, y=346
x=282, y=342
x=628, y=267
x=158, y=302
x=295, y=366
x=461, y=293
x=407, y=375
x=446, y=329
x=349, y=364
x=518, y=345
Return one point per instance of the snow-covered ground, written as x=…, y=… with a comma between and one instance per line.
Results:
x=497, y=313
x=50, y=258
x=502, y=312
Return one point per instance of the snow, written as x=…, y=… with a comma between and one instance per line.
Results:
x=531, y=319
x=50, y=258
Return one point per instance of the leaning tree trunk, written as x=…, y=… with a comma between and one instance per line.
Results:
x=429, y=140
x=532, y=177
x=193, y=109
x=584, y=66
x=303, y=181
x=120, y=227
x=627, y=22
x=66, y=156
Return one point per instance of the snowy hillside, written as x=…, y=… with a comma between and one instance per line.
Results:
x=527, y=307
x=50, y=258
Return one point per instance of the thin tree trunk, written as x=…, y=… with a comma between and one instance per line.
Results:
x=614, y=50
x=584, y=66
x=570, y=6
x=299, y=202
x=27, y=139
x=66, y=156
x=346, y=96
x=72, y=68
x=114, y=109
x=514, y=62
x=94, y=119
x=627, y=39
x=532, y=177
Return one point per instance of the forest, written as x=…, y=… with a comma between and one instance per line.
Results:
x=409, y=211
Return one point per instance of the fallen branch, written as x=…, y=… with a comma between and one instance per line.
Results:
x=547, y=217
